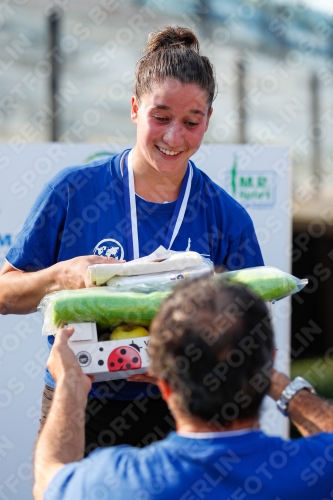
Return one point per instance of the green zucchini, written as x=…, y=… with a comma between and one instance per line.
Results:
x=104, y=307
x=269, y=283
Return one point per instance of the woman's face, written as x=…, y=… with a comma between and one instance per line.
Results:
x=171, y=122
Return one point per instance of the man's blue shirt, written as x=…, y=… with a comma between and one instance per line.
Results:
x=241, y=466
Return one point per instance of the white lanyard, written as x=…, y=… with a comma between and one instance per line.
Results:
x=131, y=214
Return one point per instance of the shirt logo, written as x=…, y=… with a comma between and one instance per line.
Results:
x=109, y=248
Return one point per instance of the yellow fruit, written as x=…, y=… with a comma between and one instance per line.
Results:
x=125, y=331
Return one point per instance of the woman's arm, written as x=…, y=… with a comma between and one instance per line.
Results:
x=21, y=292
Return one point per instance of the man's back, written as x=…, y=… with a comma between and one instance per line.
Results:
x=228, y=466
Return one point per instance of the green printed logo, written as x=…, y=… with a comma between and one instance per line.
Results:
x=252, y=188
x=234, y=177
x=96, y=156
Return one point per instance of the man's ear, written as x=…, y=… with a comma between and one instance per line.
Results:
x=165, y=389
x=134, y=109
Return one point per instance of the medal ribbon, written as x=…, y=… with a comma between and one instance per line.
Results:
x=131, y=214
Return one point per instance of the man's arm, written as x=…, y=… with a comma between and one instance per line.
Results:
x=62, y=438
x=21, y=292
x=310, y=413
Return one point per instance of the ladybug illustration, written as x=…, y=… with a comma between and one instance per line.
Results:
x=124, y=358
x=136, y=346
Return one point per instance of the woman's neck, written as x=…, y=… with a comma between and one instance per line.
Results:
x=155, y=186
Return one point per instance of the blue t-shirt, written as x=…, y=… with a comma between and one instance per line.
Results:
x=240, y=466
x=81, y=211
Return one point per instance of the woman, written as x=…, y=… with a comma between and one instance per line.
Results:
x=126, y=207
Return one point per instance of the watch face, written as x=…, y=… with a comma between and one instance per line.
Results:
x=300, y=383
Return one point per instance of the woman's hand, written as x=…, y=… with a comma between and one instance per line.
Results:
x=73, y=274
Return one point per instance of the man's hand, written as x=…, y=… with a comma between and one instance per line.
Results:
x=143, y=377
x=63, y=364
x=279, y=382
x=74, y=274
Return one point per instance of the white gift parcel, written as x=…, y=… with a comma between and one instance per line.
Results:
x=161, y=260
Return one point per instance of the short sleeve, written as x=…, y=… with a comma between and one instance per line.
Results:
x=244, y=251
x=60, y=482
x=101, y=475
x=37, y=245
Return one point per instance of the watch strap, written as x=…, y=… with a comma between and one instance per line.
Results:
x=289, y=392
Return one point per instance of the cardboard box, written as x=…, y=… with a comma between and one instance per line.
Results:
x=110, y=359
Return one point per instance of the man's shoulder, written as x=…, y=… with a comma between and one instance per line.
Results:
x=302, y=450
x=319, y=441
x=120, y=468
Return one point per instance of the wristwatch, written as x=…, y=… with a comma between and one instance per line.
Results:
x=289, y=392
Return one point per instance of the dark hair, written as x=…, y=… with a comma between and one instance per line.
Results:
x=213, y=343
x=173, y=52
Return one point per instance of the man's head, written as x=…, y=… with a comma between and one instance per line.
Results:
x=213, y=344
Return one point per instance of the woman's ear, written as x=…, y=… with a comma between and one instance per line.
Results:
x=134, y=109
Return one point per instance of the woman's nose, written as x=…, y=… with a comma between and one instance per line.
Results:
x=173, y=135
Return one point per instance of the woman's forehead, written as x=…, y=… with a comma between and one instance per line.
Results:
x=171, y=92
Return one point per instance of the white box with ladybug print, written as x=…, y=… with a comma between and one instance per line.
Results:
x=110, y=359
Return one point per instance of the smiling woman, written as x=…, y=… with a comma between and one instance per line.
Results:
x=174, y=90
x=149, y=196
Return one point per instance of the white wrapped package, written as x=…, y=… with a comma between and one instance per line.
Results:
x=204, y=269
x=160, y=261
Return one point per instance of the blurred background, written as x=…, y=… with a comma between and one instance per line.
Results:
x=67, y=72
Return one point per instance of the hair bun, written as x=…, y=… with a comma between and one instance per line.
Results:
x=172, y=37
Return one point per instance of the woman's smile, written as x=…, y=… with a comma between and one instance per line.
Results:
x=168, y=152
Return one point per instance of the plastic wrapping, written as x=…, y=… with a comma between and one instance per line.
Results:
x=130, y=299
x=161, y=260
x=102, y=305
x=162, y=279
x=269, y=283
